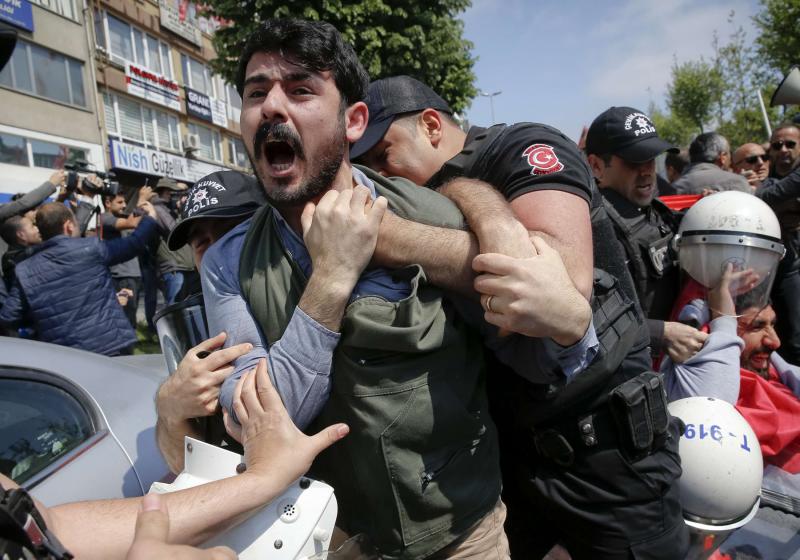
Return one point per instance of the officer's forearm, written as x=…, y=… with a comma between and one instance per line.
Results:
x=490, y=217
x=444, y=254
x=169, y=436
x=104, y=529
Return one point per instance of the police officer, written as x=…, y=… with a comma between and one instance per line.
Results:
x=621, y=147
x=604, y=491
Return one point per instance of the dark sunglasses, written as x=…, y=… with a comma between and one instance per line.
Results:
x=790, y=144
x=752, y=160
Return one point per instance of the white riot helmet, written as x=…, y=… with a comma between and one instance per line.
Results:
x=733, y=228
x=722, y=465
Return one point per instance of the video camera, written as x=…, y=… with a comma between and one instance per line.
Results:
x=75, y=181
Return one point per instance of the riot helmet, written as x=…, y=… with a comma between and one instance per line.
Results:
x=732, y=241
x=722, y=465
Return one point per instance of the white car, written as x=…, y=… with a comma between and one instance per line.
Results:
x=76, y=425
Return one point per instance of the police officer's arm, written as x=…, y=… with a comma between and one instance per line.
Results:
x=562, y=219
x=531, y=286
x=276, y=454
x=444, y=254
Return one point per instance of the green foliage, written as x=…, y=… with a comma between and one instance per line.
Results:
x=672, y=128
x=694, y=92
x=415, y=37
x=779, y=40
x=722, y=94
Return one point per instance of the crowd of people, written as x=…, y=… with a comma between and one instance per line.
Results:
x=483, y=310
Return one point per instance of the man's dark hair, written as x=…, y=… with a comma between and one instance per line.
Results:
x=785, y=125
x=677, y=160
x=707, y=147
x=9, y=229
x=50, y=219
x=314, y=45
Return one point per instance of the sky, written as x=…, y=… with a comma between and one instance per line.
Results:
x=564, y=62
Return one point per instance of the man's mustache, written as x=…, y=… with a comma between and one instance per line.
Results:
x=280, y=132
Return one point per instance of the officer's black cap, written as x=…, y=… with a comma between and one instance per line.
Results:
x=389, y=98
x=222, y=194
x=8, y=40
x=628, y=133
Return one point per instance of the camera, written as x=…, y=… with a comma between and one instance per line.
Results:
x=76, y=182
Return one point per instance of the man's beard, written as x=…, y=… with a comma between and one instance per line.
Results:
x=762, y=372
x=318, y=178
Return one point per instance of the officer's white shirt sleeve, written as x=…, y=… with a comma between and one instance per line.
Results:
x=299, y=363
x=713, y=371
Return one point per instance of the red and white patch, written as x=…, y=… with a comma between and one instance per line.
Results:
x=542, y=159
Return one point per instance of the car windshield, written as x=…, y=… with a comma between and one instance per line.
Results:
x=39, y=424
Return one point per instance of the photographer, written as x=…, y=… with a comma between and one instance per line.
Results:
x=176, y=270
x=65, y=289
x=84, y=187
x=34, y=198
x=115, y=222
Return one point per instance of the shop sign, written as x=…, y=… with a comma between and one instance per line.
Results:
x=152, y=87
x=203, y=107
x=181, y=18
x=18, y=13
x=151, y=162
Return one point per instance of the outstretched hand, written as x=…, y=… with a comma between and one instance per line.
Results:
x=273, y=445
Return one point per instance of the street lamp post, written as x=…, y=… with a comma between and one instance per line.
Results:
x=491, y=97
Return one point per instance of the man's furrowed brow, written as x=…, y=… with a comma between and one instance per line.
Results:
x=258, y=79
x=262, y=78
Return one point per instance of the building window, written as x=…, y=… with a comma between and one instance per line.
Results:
x=131, y=121
x=64, y=8
x=208, y=142
x=234, y=103
x=125, y=43
x=197, y=76
x=28, y=152
x=45, y=73
x=237, y=153
x=13, y=149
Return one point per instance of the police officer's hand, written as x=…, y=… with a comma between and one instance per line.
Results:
x=273, y=446
x=152, y=533
x=532, y=296
x=193, y=390
x=681, y=342
x=341, y=232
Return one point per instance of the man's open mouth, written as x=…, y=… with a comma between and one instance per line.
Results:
x=280, y=156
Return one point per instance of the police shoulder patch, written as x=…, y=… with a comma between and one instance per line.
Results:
x=542, y=159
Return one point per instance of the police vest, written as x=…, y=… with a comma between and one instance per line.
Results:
x=652, y=260
x=420, y=465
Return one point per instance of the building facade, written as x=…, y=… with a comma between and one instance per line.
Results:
x=124, y=85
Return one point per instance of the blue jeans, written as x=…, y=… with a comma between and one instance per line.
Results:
x=171, y=285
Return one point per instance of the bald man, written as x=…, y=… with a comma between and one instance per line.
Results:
x=751, y=161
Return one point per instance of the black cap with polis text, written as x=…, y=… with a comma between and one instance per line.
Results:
x=627, y=133
x=390, y=97
x=222, y=194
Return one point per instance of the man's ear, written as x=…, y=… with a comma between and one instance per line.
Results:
x=597, y=165
x=69, y=228
x=431, y=122
x=356, y=117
